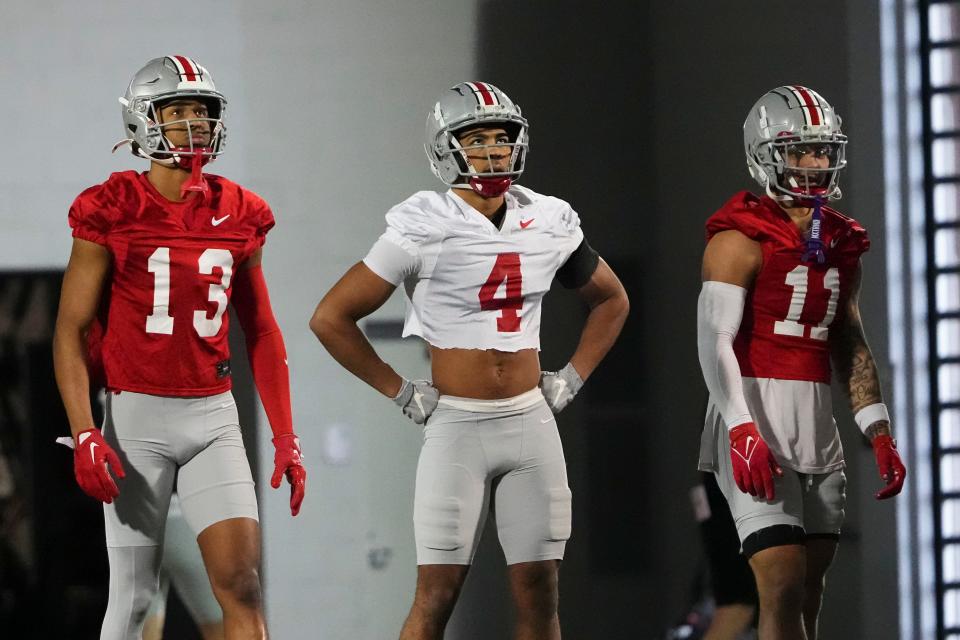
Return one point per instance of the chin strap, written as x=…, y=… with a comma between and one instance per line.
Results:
x=814, y=252
x=490, y=187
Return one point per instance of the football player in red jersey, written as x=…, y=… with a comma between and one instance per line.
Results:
x=476, y=261
x=781, y=286
x=161, y=254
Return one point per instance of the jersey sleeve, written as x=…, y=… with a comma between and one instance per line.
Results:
x=854, y=240
x=263, y=217
x=90, y=215
x=749, y=215
x=398, y=253
x=568, y=227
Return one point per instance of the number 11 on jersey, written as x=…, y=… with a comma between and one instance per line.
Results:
x=798, y=280
x=506, y=268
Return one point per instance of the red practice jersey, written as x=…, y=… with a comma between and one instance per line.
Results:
x=793, y=306
x=165, y=322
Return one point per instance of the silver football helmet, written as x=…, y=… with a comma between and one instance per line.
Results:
x=785, y=125
x=469, y=105
x=158, y=82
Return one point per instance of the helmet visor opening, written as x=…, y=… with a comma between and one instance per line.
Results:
x=807, y=167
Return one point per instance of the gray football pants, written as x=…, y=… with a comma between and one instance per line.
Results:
x=503, y=455
x=194, y=442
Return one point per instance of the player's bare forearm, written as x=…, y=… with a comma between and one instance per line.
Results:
x=864, y=382
x=855, y=365
x=79, y=298
x=346, y=343
x=73, y=379
x=609, y=307
x=359, y=293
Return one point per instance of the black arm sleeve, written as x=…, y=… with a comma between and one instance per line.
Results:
x=578, y=268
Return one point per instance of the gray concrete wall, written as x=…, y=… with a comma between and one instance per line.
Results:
x=327, y=103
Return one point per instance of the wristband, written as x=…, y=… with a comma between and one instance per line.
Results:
x=870, y=414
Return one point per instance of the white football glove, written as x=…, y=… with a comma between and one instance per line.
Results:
x=418, y=399
x=559, y=387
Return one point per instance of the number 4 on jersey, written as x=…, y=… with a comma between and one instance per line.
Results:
x=506, y=268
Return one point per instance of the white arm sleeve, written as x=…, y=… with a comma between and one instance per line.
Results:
x=719, y=312
x=390, y=261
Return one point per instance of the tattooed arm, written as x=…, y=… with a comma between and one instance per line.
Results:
x=854, y=364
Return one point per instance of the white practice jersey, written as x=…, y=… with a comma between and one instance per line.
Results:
x=470, y=285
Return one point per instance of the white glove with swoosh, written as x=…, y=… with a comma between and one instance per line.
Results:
x=559, y=387
x=418, y=399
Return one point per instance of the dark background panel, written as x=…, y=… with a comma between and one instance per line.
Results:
x=53, y=563
x=636, y=113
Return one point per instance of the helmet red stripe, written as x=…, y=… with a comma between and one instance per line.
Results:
x=485, y=93
x=188, y=68
x=809, y=103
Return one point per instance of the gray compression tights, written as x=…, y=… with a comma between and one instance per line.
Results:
x=134, y=580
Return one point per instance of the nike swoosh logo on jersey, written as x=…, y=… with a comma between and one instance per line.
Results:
x=834, y=242
x=216, y=221
x=526, y=223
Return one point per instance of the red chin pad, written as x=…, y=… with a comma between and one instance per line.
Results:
x=490, y=187
x=194, y=164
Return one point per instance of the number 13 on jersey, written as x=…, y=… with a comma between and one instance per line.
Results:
x=505, y=269
x=160, y=320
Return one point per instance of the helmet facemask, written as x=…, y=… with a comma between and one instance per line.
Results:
x=155, y=144
x=790, y=175
x=510, y=155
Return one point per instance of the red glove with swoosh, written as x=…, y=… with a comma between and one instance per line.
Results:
x=287, y=461
x=753, y=464
x=890, y=466
x=90, y=459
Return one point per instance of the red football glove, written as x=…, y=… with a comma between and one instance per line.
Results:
x=753, y=464
x=890, y=466
x=90, y=459
x=287, y=461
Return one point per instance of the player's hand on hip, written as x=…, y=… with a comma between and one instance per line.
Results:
x=93, y=459
x=560, y=387
x=288, y=461
x=417, y=399
x=753, y=464
x=890, y=466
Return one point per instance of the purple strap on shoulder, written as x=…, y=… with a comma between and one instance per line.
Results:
x=814, y=250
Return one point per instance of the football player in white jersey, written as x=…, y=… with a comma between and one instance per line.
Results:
x=475, y=262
